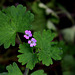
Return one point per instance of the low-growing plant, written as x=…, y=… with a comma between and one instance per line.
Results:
x=39, y=48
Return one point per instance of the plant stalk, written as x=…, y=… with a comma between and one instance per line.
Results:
x=26, y=70
x=19, y=38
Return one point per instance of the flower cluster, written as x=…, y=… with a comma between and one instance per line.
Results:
x=27, y=35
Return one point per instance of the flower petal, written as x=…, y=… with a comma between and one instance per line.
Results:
x=30, y=35
x=29, y=42
x=26, y=31
x=34, y=44
x=29, y=31
x=34, y=40
x=31, y=45
x=27, y=37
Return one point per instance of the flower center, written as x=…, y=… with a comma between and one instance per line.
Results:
x=27, y=35
x=31, y=41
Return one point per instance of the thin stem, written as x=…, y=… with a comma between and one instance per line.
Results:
x=19, y=38
x=26, y=70
x=68, y=15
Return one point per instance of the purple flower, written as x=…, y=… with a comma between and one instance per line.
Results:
x=32, y=42
x=28, y=34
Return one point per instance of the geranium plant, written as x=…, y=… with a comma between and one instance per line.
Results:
x=17, y=19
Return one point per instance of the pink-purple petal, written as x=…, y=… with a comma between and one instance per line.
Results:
x=33, y=40
x=29, y=42
x=30, y=35
x=26, y=31
x=26, y=37
x=34, y=44
x=29, y=31
x=31, y=45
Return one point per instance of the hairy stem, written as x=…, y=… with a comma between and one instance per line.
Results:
x=26, y=70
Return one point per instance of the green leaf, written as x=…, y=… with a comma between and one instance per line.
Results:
x=40, y=20
x=51, y=4
x=69, y=34
x=50, y=25
x=39, y=24
x=46, y=49
x=63, y=47
x=35, y=7
x=54, y=19
x=12, y=20
x=38, y=72
x=13, y=69
x=27, y=56
x=66, y=48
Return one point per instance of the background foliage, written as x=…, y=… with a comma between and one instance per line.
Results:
x=55, y=15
